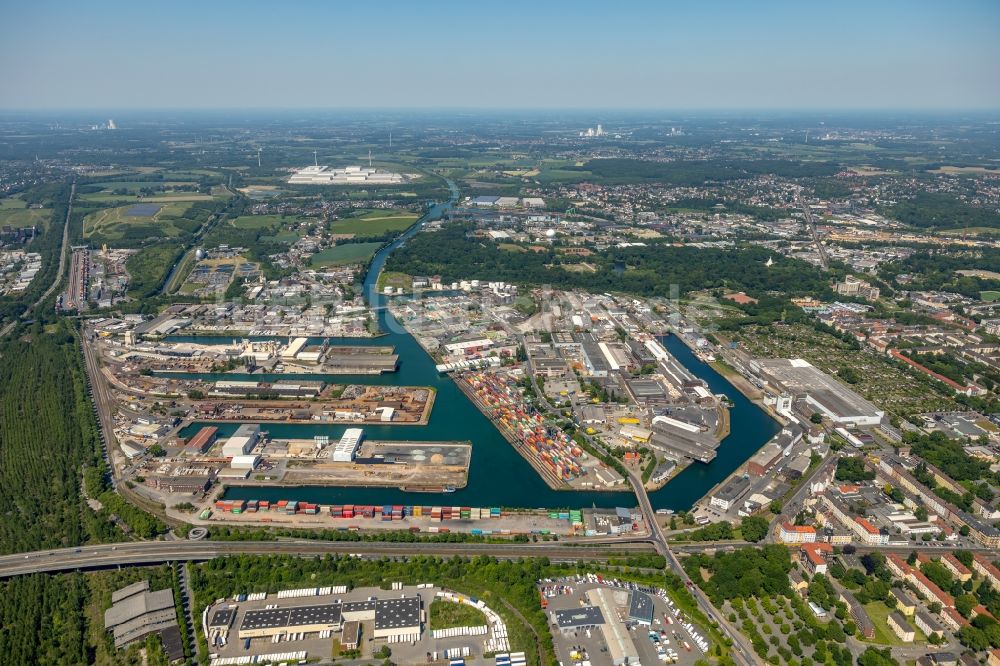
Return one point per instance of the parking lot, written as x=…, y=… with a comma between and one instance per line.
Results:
x=667, y=639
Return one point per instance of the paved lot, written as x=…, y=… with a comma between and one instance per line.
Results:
x=577, y=646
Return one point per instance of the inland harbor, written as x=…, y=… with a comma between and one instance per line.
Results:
x=182, y=409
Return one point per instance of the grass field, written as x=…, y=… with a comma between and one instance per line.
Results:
x=132, y=191
x=283, y=237
x=448, y=614
x=350, y=253
x=989, y=296
x=394, y=280
x=374, y=222
x=113, y=222
x=15, y=213
x=134, y=186
x=884, y=634
x=257, y=222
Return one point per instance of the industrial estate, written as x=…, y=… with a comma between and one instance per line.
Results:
x=460, y=388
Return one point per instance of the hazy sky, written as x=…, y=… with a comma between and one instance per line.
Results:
x=842, y=54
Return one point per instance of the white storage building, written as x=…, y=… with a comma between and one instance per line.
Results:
x=348, y=445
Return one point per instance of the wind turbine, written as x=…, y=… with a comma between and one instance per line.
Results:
x=258, y=156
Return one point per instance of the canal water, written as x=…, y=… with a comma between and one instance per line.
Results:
x=498, y=475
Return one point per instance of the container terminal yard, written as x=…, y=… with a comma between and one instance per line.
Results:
x=479, y=521
x=561, y=462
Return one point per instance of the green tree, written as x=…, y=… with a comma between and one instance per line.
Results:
x=754, y=528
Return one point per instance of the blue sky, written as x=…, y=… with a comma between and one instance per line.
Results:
x=877, y=54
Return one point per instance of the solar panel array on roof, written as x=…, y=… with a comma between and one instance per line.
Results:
x=358, y=606
x=306, y=615
x=397, y=613
x=297, y=616
x=264, y=618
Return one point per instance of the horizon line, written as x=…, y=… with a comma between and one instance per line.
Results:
x=535, y=109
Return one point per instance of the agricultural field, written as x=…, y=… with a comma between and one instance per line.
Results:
x=374, y=222
x=964, y=170
x=14, y=212
x=340, y=255
x=137, y=220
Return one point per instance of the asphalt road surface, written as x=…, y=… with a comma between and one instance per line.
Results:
x=153, y=552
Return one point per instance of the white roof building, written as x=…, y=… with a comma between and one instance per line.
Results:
x=348, y=445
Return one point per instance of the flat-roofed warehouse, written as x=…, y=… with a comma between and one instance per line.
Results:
x=640, y=608
x=574, y=619
x=821, y=391
x=397, y=618
x=265, y=622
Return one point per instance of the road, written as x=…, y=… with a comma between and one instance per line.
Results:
x=155, y=552
x=812, y=230
x=63, y=251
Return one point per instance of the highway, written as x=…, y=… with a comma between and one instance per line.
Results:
x=156, y=552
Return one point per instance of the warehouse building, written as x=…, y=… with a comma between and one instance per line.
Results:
x=398, y=619
x=640, y=608
x=571, y=620
x=352, y=175
x=730, y=493
x=394, y=619
x=243, y=441
x=621, y=649
x=267, y=622
x=203, y=440
x=347, y=447
x=821, y=392
x=136, y=613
